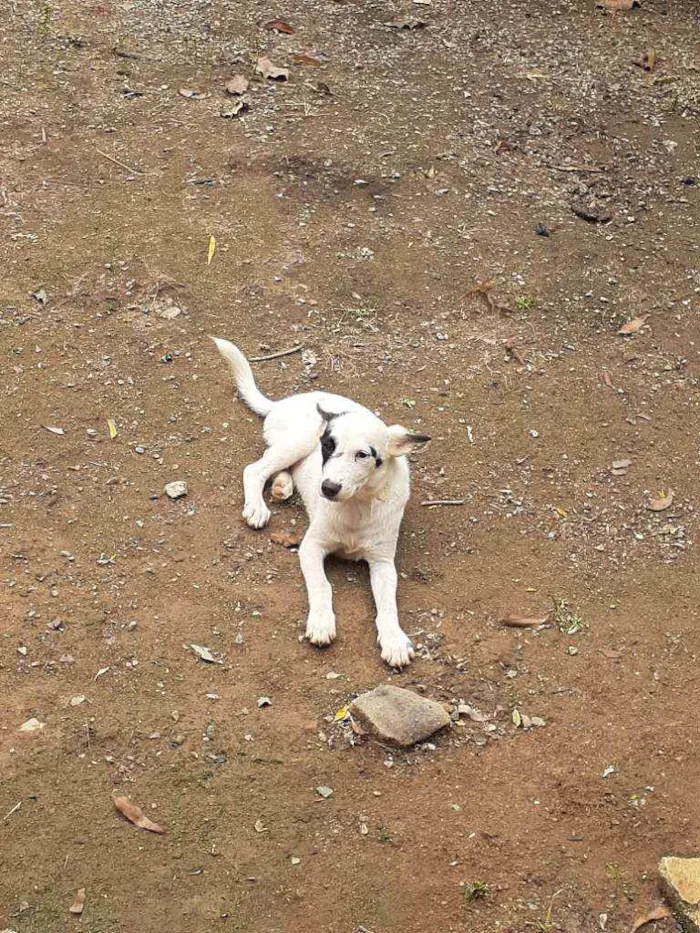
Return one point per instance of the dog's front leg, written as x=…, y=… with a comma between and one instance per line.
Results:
x=396, y=646
x=320, y=626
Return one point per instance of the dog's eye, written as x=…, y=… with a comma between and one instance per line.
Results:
x=362, y=455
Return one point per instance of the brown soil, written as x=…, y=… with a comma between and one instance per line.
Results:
x=356, y=224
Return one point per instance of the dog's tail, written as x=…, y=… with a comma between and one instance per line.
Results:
x=243, y=374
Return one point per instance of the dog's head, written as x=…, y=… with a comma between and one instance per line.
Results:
x=356, y=448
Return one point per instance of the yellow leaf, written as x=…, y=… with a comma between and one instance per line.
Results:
x=211, y=250
x=560, y=512
x=341, y=714
x=112, y=428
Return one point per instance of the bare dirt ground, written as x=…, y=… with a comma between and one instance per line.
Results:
x=356, y=208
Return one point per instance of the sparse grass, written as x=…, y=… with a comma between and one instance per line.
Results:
x=568, y=621
x=617, y=875
x=383, y=834
x=546, y=925
x=525, y=302
x=474, y=891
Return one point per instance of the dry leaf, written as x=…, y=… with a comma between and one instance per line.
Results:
x=299, y=58
x=617, y=5
x=211, y=249
x=661, y=503
x=279, y=25
x=658, y=913
x=406, y=22
x=607, y=379
x=287, y=539
x=136, y=815
x=273, y=72
x=522, y=621
x=648, y=62
x=205, y=654
x=237, y=85
x=512, y=351
x=79, y=902
x=235, y=108
x=111, y=426
x=631, y=327
x=53, y=430
x=192, y=95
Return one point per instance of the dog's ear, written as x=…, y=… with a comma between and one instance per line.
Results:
x=326, y=416
x=402, y=441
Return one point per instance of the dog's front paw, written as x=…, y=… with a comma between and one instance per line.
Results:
x=397, y=649
x=320, y=628
x=256, y=514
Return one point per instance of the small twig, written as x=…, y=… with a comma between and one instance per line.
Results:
x=275, y=356
x=575, y=168
x=13, y=810
x=134, y=171
x=7, y=525
x=444, y=502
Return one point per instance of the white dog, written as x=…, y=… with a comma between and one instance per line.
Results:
x=352, y=474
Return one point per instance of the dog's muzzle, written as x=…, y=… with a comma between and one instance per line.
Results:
x=330, y=489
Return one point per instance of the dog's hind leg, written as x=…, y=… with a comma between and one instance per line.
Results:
x=282, y=486
x=285, y=451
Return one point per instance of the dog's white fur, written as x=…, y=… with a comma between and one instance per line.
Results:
x=363, y=466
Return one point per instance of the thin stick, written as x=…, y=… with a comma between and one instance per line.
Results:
x=275, y=356
x=15, y=808
x=134, y=171
x=444, y=502
x=575, y=168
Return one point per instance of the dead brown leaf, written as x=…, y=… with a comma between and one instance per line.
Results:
x=618, y=5
x=135, y=815
x=512, y=350
x=235, y=108
x=661, y=503
x=287, y=539
x=79, y=903
x=648, y=62
x=658, y=913
x=273, y=72
x=299, y=58
x=607, y=379
x=523, y=621
x=237, y=85
x=631, y=327
x=191, y=94
x=279, y=25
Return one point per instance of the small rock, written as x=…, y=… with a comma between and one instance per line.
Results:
x=32, y=725
x=264, y=701
x=78, y=700
x=176, y=489
x=541, y=230
x=680, y=882
x=325, y=792
x=78, y=904
x=464, y=709
x=399, y=717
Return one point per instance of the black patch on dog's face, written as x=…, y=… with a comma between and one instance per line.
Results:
x=327, y=445
x=377, y=460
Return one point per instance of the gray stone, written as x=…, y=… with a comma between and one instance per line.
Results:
x=397, y=716
x=680, y=882
x=176, y=490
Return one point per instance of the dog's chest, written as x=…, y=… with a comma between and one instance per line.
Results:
x=357, y=531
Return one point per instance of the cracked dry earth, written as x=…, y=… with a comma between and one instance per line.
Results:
x=451, y=209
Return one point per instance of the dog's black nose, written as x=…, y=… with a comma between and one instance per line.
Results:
x=330, y=489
